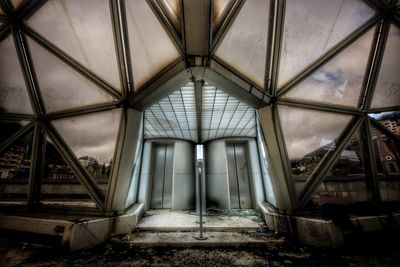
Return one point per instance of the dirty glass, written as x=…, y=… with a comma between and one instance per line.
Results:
x=59, y=183
x=245, y=45
x=14, y=96
x=387, y=160
x=61, y=86
x=92, y=138
x=389, y=119
x=345, y=181
x=83, y=30
x=15, y=164
x=387, y=89
x=309, y=135
x=340, y=80
x=150, y=46
x=312, y=27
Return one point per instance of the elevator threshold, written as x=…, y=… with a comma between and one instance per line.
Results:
x=162, y=220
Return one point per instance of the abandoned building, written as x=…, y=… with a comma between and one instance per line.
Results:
x=114, y=112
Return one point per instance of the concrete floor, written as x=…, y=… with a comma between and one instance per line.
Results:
x=184, y=221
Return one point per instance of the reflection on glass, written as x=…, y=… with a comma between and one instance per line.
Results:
x=151, y=48
x=309, y=135
x=340, y=80
x=59, y=183
x=174, y=116
x=345, y=182
x=390, y=119
x=387, y=161
x=15, y=164
x=387, y=89
x=83, y=29
x=245, y=45
x=92, y=138
x=14, y=96
x=312, y=27
x=225, y=116
x=61, y=86
x=8, y=128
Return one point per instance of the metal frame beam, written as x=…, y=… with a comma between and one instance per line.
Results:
x=372, y=163
x=167, y=81
x=198, y=95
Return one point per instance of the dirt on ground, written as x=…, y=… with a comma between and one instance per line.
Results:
x=365, y=254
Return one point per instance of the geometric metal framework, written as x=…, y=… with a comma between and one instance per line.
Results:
x=195, y=32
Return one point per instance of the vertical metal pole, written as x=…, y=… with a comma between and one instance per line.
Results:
x=200, y=177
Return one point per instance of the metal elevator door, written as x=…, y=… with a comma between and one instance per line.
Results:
x=162, y=178
x=239, y=183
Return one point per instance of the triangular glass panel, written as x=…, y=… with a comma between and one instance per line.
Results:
x=309, y=135
x=387, y=89
x=61, y=86
x=15, y=164
x=83, y=29
x=14, y=96
x=173, y=117
x=92, y=138
x=387, y=160
x=8, y=128
x=225, y=116
x=340, y=80
x=389, y=119
x=312, y=27
x=220, y=9
x=345, y=182
x=60, y=186
x=150, y=46
x=245, y=45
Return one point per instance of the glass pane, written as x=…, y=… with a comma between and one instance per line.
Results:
x=245, y=45
x=312, y=27
x=390, y=119
x=59, y=183
x=83, y=29
x=309, y=135
x=340, y=80
x=174, y=116
x=387, y=161
x=219, y=7
x=61, y=86
x=225, y=116
x=345, y=182
x=8, y=128
x=387, y=89
x=174, y=10
x=14, y=96
x=92, y=138
x=15, y=164
x=151, y=48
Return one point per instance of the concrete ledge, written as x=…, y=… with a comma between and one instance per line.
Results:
x=324, y=233
x=76, y=234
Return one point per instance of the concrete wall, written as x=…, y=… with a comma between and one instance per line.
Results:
x=146, y=173
x=183, y=184
x=255, y=175
x=217, y=181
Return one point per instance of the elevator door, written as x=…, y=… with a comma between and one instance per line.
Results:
x=239, y=184
x=162, y=178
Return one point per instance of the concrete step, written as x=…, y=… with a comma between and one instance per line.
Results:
x=179, y=221
x=187, y=240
